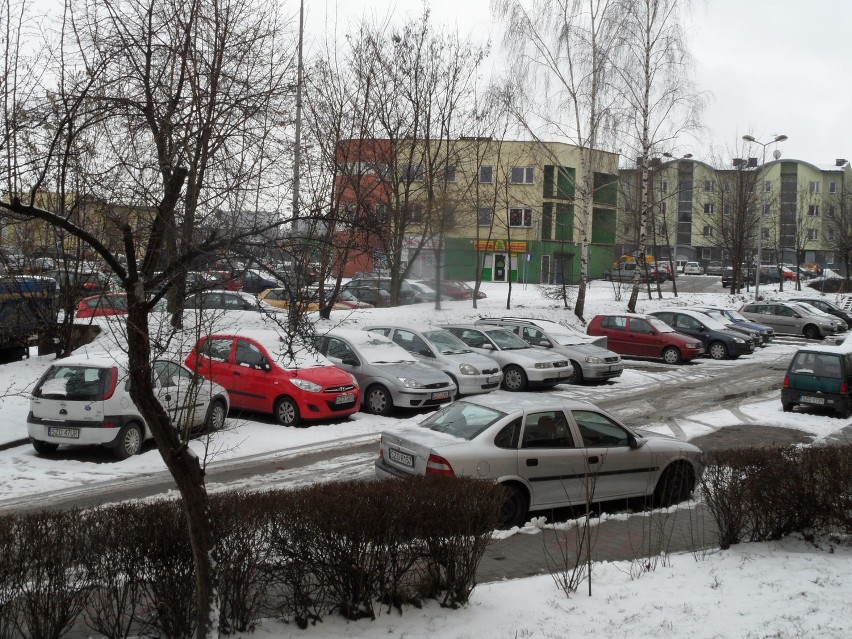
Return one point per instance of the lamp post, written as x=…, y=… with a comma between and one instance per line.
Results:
x=751, y=139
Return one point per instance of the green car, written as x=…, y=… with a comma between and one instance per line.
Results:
x=819, y=376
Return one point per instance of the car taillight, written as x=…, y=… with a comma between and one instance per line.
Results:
x=786, y=381
x=437, y=465
x=111, y=383
x=381, y=447
x=844, y=388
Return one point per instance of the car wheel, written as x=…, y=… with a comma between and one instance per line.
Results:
x=44, y=448
x=675, y=485
x=514, y=378
x=608, y=277
x=286, y=412
x=577, y=375
x=514, y=510
x=216, y=415
x=379, y=401
x=787, y=407
x=811, y=332
x=129, y=441
x=718, y=350
x=671, y=355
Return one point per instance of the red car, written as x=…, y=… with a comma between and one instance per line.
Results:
x=260, y=375
x=456, y=290
x=102, y=305
x=636, y=335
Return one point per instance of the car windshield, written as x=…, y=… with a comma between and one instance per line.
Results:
x=78, y=383
x=461, y=419
x=446, y=342
x=714, y=323
x=660, y=325
x=378, y=349
x=562, y=335
x=736, y=315
x=717, y=315
x=505, y=340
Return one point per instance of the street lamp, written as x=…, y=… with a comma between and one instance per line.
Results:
x=751, y=139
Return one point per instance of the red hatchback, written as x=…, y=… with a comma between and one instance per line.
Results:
x=260, y=375
x=644, y=336
x=102, y=305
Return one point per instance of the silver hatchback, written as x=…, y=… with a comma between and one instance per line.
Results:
x=388, y=375
x=472, y=373
x=547, y=451
x=523, y=366
x=788, y=317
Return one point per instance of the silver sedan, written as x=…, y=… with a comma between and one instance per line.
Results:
x=472, y=373
x=523, y=366
x=388, y=375
x=547, y=451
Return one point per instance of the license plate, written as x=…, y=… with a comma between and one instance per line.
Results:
x=441, y=395
x=69, y=433
x=403, y=459
x=493, y=379
x=812, y=400
x=346, y=398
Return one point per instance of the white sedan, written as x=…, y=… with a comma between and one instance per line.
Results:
x=693, y=268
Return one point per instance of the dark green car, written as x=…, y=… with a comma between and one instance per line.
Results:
x=819, y=376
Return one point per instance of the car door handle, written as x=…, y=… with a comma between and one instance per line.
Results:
x=532, y=462
x=593, y=459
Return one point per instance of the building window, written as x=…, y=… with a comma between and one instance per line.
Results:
x=725, y=255
x=767, y=186
x=706, y=253
x=709, y=185
x=520, y=217
x=831, y=211
x=415, y=212
x=767, y=209
x=412, y=172
x=813, y=187
x=486, y=174
x=726, y=209
x=831, y=235
x=664, y=186
x=522, y=175
x=450, y=173
x=708, y=231
x=764, y=233
x=484, y=215
x=813, y=210
x=812, y=234
x=708, y=209
x=832, y=187
x=727, y=187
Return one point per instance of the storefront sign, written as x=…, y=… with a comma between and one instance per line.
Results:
x=500, y=245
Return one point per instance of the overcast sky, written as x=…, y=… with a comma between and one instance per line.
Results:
x=770, y=66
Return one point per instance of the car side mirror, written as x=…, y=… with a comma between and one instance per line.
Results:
x=425, y=352
x=350, y=360
x=635, y=442
x=265, y=366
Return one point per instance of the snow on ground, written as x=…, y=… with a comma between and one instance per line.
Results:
x=785, y=589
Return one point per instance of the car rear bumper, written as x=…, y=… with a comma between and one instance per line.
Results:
x=77, y=433
x=385, y=471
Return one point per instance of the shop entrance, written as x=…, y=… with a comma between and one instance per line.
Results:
x=500, y=263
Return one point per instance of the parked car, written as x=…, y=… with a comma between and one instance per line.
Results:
x=783, y=317
x=523, y=366
x=224, y=300
x=591, y=362
x=547, y=452
x=471, y=373
x=280, y=298
x=84, y=400
x=819, y=376
x=789, y=274
x=108, y=304
x=827, y=307
x=626, y=272
x=714, y=268
x=367, y=292
x=719, y=341
x=693, y=268
x=637, y=335
x=810, y=309
x=389, y=376
x=725, y=315
x=254, y=282
x=423, y=292
x=267, y=374
x=751, y=334
x=407, y=295
x=728, y=277
x=75, y=285
x=457, y=290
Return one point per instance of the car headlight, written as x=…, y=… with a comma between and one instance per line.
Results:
x=591, y=359
x=306, y=385
x=467, y=369
x=739, y=341
x=544, y=365
x=410, y=383
x=695, y=345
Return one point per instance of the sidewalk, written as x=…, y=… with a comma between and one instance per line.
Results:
x=621, y=537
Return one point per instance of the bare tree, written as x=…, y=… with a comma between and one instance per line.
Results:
x=177, y=110
x=659, y=99
x=838, y=226
x=564, y=45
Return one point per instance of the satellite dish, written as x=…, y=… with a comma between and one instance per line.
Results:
x=776, y=154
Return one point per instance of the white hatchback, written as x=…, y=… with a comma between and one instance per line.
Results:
x=85, y=400
x=693, y=268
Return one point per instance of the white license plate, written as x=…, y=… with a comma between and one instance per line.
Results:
x=812, y=400
x=493, y=379
x=441, y=395
x=403, y=459
x=346, y=398
x=69, y=433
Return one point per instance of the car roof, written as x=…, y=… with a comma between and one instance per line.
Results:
x=624, y=314
x=94, y=360
x=511, y=402
x=844, y=348
x=304, y=355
